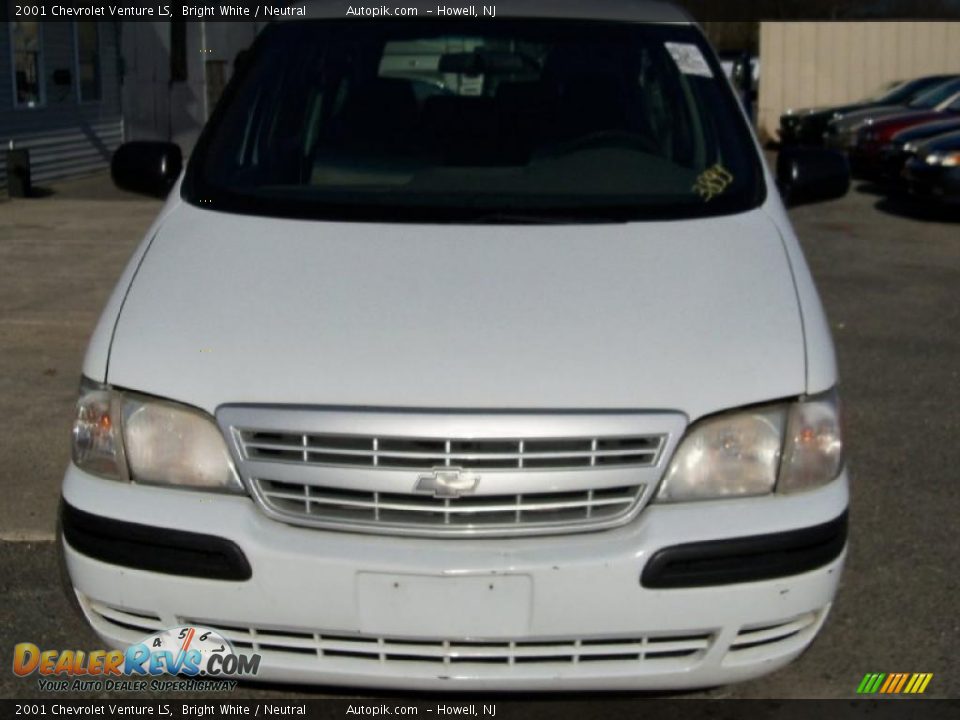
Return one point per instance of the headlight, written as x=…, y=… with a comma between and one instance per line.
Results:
x=150, y=441
x=784, y=448
x=949, y=159
x=169, y=444
x=731, y=454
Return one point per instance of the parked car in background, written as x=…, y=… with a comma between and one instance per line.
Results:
x=902, y=146
x=842, y=132
x=865, y=153
x=807, y=126
x=933, y=170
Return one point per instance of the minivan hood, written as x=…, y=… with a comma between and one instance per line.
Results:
x=695, y=316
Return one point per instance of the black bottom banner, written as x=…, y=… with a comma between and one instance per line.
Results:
x=500, y=708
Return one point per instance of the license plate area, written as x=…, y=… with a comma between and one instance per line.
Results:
x=462, y=606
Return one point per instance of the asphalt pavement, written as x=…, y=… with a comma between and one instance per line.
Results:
x=889, y=278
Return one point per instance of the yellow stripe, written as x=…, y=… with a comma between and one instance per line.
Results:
x=890, y=678
x=916, y=685
x=903, y=679
x=926, y=681
x=912, y=683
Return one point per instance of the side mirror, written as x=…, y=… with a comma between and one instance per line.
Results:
x=150, y=168
x=806, y=175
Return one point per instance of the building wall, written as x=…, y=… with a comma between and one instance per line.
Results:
x=65, y=137
x=155, y=108
x=806, y=64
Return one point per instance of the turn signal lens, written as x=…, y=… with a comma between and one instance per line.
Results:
x=97, y=447
x=813, y=448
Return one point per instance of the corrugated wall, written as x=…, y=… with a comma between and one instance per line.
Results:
x=66, y=138
x=805, y=64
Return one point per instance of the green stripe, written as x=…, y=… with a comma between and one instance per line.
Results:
x=862, y=687
x=878, y=683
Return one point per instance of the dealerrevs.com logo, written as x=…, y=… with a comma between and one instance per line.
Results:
x=187, y=651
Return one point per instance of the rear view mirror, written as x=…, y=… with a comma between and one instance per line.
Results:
x=483, y=62
x=150, y=168
x=806, y=175
x=461, y=63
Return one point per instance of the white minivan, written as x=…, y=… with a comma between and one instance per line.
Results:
x=468, y=353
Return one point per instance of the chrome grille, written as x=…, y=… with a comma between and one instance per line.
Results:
x=473, y=454
x=456, y=473
x=759, y=636
x=633, y=649
x=541, y=510
x=662, y=646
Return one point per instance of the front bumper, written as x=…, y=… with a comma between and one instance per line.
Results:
x=893, y=158
x=933, y=183
x=546, y=613
x=802, y=130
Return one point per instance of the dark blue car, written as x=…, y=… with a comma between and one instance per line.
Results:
x=933, y=172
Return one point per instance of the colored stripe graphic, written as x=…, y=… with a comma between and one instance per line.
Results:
x=892, y=680
x=862, y=687
x=894, y=683
x=918, y=683
x=899, y=687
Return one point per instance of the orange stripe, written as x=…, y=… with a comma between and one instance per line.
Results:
x=900, y=684
x=890, y=678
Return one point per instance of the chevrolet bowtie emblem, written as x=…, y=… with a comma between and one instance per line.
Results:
x=447, y=482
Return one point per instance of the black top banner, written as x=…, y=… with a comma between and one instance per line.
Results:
x=267, y=10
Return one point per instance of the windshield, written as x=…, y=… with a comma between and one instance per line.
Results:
x=477, y=121
x=937, y=95
x=893, y=92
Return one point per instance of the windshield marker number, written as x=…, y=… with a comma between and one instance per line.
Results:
x=712, y=182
